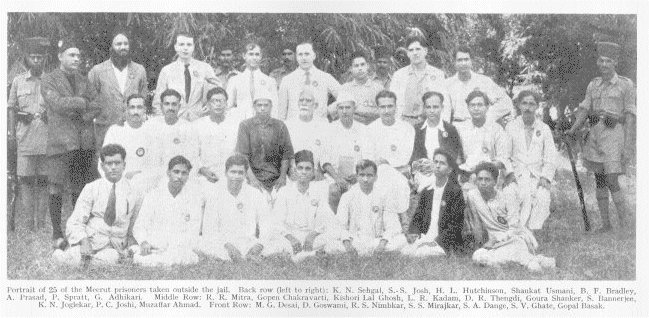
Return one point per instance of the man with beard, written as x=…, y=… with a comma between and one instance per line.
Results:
x=289, y=64
x=226, y=68
x=170, y=135
x=534, y=158
x=611, y=107
x=114, y=81
x=27, y=117
x=190, y=77
x=71, y=108
x=383, y=66
x=363, y=90
x=322, y=84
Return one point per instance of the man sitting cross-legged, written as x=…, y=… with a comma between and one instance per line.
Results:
x=168, y=226
x=302, y=213
x=365, y=214
x=97, y=229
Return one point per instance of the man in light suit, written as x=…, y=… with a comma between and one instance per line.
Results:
x=190, y=77
x=115, y=80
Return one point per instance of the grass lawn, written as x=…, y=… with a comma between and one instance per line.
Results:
x=580, y=256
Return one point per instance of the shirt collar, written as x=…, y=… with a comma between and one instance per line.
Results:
x=440, y=126
x=427, y=69
x=30, y=76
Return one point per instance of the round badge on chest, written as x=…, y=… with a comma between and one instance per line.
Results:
x=485, y=149
x=139, y=152
x=317, y=142
x=357, y=148
x=444, y=134
x=195, y=73
x=240, y=206
x=314, y=83
x=262, y=82
x=187, y=217
x=538, y=133
x=393, y=147
x=176, y=140
x=376, y=209
x=315, y=202
x=501, y=220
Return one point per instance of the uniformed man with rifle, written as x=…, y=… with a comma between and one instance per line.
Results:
x=27, y=124
x=610, y=106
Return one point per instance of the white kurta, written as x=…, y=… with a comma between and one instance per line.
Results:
x=171, y=225
x=346, y=146
x=486, y=143
x=392, y=143
x=366, y=219
x=216, y=143
x=87, y=221
x=311, y=136
x=300, y=214
x=169, y=141
x=139, y=156
x=530, y=163
x=235, y=220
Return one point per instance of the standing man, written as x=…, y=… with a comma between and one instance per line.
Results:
x=114, y=81
x=534, y=157
x=363, y=90
x=308, y=75
x=411, y=82
x=27, y=118
x=190, y=77
x=98, y=227
x=69, y=99
x=267, y=144
x=226, y=68
x=243, y=87
x=610, y=103
x=289, y=64
x=383, y=66
x=217, y=136
x=465, y=81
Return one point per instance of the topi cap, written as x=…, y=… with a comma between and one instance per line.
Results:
x=345, y=97
x=65, y=44
x=608, y=49
x=303, y=155
x=262, y=94
x=36, y=45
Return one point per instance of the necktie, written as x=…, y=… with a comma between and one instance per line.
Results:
x=307, y=79
x=188, y=83
x=109, y=215
x=252, y=85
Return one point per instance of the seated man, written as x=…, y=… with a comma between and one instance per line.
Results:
x=436, y=227
x=498, y=212
x=233, y=213
x=168, y=226
x=97, y=229
x=302, y=212
x=395, y=145
x=534, y=159
x=266, y=143
x=217, y=136
x=369, y=224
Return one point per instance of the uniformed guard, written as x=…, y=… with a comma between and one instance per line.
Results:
x=27, y=118
x=610, y=106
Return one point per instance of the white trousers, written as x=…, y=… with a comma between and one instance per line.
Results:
x=72, y=256
x=423, y=247
x=366, y=245
x=536, y=202
x=165, y=257
x=216, y=247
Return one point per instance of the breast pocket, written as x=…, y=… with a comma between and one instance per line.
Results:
x=24, y=97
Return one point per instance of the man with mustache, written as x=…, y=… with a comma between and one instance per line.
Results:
x=289, y=64
x=71, y=107
x=534, y=158
x=27, y=116
x=362, y=88
x=383, y=66
x=114, y=81
x=226, y=66
x=190, y=77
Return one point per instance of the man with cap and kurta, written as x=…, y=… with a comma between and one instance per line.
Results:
x=114, y=81
x=27, y=117
x=610, y=104
x=71, y=108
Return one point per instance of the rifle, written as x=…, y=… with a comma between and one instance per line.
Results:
x=580, y=190
x=12, y=169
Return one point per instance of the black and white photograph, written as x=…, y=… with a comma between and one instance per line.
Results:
x=319, y=145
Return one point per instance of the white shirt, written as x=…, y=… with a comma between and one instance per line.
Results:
x=239, y=92
x=165, y=221
x=365, y=215
x=458, y=92
x=87, y=219
x=230, y=218
x=136, y=143
x=216, y=142
x=486, y=143
x=432, y=137
x=121, y=77
x=292, y=84
x=169, y=141
x=438, y=193
x=393, y=143
x=346, y=146
x=310, y=135
x=539, y=158
x=303, y=212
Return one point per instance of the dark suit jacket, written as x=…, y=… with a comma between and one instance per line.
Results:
x=451, y=217
x=66, y=108
x=448, y=139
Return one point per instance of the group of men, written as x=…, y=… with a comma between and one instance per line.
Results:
x=242, y=164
